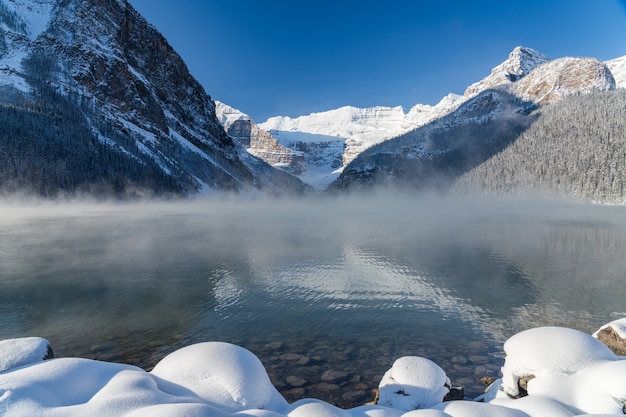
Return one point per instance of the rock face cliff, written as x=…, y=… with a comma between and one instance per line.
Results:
x=257, y=141
x=521, y=62
x=141, y=120
x=554, y=80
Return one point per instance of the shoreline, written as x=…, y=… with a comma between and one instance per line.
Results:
x=547, y=372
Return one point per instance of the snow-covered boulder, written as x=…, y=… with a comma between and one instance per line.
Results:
x=613, y=335
x=23, y=351
x=413, y=383
x=547, y=351
x=219, y=373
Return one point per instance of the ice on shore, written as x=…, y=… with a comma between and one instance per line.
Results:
x=571, y=374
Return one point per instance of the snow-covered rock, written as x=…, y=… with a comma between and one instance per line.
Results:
x=476, y=409
x=220, y=373
x=23, y=351
x=562, y=77
x=413, y=383
x=521, y=62
x=549, y=352
x=613, y=335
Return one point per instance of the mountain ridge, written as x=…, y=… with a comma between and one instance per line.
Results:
x=96, y=101
x=136, y=96
x=526, y=73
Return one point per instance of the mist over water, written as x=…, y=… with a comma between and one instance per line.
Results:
x=356, y=280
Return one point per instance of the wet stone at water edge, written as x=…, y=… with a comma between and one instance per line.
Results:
x=342, y=373
x=348, y=376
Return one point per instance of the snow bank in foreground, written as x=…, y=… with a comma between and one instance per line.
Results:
x=565, y=373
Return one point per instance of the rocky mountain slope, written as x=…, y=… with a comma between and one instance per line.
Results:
x=526, y=74
x=521, y=62
x=361, y=128
x=433, y=155
x=140, y=123
x=257, y=141
x=496, y=111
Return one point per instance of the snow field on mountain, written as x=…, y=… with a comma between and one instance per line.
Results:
x=572, y=374
x=618, y=69
x=368, y=126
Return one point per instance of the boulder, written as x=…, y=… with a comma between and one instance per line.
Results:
x=613, y=335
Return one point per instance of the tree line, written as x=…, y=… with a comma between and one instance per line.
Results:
x=575, y=148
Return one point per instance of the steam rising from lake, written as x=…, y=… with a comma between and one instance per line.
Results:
x=363, y=268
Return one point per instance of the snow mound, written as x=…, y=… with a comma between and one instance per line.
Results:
x=413, y=383
x=549, y=351
x=24, y=351
x=220, y=373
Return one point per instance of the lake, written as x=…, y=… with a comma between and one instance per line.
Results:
x=327, y=292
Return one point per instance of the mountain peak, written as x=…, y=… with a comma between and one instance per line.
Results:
x=521, y=62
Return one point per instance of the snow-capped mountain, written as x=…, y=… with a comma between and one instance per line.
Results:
x=312, y=158
x=434, y=154
x=526, y=73
x=496, y=110
x=618, y=69
x=136, y=117
x=342, y=134
x=521, y=62
x=21, y=23
x=362, y=127
x=564, y=77
x=258, y=142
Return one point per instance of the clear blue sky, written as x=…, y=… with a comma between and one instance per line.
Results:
x=294, y=57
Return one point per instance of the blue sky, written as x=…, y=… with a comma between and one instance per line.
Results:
x=294, y=57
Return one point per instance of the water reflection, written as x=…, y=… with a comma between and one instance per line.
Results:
x=380, y=277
